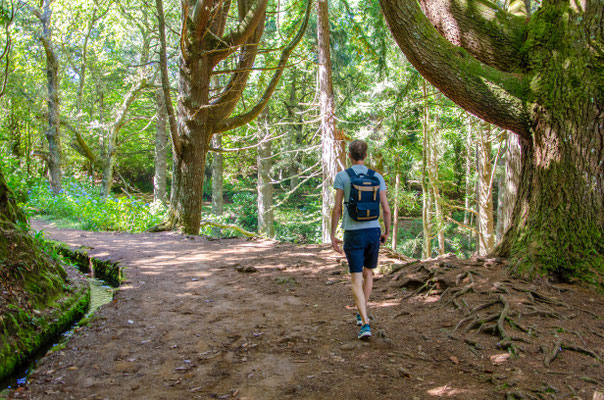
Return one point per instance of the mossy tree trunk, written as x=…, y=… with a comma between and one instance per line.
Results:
x=52, y=82
x=202, y=112
x=540, y=77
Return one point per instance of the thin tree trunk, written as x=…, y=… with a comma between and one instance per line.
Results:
x=397, y=189
x=330, y=153
x=266, y=224
x=426, y=202
x=433, y=136
x=119, y=121
x=52, y=75
x=466, y=216
x=161, y=149
x=217, y=177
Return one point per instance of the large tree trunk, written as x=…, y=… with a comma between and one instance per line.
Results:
x=511, y=180
x=161, y=148
x=195, y=133
x=203, y=47
x=540, y=78
x=484, y=197
x=330, y=149
x=52, y=77
x=557, y=223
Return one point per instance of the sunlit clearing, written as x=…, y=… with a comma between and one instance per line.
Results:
x=446, y=390
x=424, y=299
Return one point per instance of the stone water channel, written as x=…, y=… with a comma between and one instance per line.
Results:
x=100, y=293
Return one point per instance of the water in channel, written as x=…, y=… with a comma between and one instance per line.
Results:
x=100, y=293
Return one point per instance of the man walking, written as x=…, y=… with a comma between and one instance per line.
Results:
x=362, y=233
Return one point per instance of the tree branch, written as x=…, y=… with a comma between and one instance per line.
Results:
x=486, y=31
x=165, y=82
x=228, y=44
x=495, y=96
x=242, y=119
x=201, y=16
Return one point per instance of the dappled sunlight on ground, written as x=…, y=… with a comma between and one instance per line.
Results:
x=200, y=318
x=446, y=391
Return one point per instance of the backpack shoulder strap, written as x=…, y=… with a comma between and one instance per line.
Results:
x=351, y=173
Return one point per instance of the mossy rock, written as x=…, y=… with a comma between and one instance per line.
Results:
x=109, y=271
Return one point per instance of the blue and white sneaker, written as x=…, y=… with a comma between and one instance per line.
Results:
x=359, y=320
x=365, y=332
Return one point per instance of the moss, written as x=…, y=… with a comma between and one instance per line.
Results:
x=22, y=333
x=109, y=271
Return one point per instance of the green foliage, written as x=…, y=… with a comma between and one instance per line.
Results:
x=81, y=202
x=245, y=210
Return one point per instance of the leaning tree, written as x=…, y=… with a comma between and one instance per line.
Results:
x=540, y=76
x=204, y=110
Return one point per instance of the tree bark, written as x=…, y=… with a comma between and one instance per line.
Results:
x=552, y=100
x=161, y=149
x=433, y=136
x=266, y=225
x=426, y=202
x=468, y=191
x=52, y=77
x=200, y=116
x=330, y=149
x=484, y=197
x=110, y=140
x=397, y=189
x=217, y=177
x=512, y=159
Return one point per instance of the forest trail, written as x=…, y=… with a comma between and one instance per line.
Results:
x=187, y=324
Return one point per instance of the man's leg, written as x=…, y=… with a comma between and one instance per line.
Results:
x=367, y=284
x=359, y=295
x=370, y=261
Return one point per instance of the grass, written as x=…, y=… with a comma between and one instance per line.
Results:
x=80, y=205
x=298, y=220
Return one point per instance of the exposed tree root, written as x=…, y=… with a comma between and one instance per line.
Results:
x=514, y=313
x=559, y=346
x=519, y=396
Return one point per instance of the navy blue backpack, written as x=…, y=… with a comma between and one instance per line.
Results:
x=364, y=201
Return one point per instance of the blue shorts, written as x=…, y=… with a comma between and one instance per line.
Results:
x=361, y=248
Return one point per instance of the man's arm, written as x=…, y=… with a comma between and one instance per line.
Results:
x=386, y=214
x=336, y=214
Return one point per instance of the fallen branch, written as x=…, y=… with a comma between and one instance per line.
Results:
x=230, y=226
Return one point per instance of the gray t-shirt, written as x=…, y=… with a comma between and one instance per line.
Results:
x=342, y=181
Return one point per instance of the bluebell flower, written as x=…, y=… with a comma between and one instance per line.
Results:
x=146, y=204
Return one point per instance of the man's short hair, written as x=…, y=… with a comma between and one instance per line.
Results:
x=358, y=150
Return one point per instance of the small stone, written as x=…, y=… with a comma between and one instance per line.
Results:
x=246, y=268
x=348, y=346
x=454, y=360
x=403, y=373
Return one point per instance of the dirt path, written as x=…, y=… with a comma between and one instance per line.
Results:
x=188, y=325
